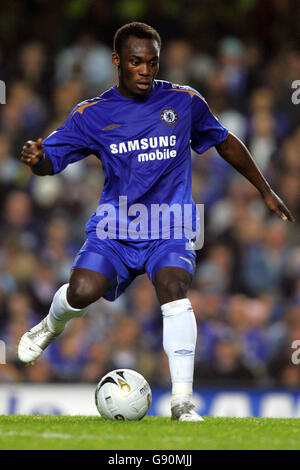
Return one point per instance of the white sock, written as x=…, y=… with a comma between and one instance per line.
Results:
x=179, y=341
x=61, y=311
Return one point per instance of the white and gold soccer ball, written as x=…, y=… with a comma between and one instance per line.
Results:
x=123, y=394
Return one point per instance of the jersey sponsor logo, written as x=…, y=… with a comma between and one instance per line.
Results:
x=157, y=155
x=161, y=145
x=169, y=116
x=144, y=144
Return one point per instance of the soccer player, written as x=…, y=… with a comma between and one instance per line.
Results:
x=141, y=130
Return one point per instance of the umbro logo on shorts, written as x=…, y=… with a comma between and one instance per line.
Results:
x=186, y=259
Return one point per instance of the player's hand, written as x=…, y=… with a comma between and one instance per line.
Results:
x=275, y=204
x=32, y=152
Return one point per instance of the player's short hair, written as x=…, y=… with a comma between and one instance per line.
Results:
x=136, y=29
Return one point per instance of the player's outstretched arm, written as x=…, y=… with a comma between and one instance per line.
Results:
x=237, y=154
x=34, y=156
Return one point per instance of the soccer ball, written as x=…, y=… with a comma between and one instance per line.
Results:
x=123, y=394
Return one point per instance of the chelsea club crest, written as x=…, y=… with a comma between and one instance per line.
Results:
x=169, y=116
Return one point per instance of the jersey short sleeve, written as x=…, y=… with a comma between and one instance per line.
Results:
x=67, y=144
x=206, y=131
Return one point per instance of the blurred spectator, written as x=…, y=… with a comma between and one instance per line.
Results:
x=264, y=262
x=68, y=356
x=227, y=367
x=35, y=68
x=125, y=341
x=19, y=222
x=213, y=274
x=177, y=60
x=89, y=60
x=98, y=363
x=8, y=165
x=233, y=71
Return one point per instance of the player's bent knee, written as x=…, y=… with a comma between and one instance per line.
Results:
x=171, y=283
x=83, y=291
x=173, y=289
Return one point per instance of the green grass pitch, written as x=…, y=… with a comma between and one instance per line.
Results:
x=78, y=432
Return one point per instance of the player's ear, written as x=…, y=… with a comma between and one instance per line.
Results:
x=115, y=59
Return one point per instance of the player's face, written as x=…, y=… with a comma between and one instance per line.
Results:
x=138, y=65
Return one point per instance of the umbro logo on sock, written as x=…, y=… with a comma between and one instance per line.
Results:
x=183, y=351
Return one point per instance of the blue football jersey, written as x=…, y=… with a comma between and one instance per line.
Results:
x=144, y=146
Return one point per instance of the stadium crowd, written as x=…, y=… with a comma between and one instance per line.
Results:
x=246, y=291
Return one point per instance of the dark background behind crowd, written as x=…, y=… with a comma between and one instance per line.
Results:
x=243, y=56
